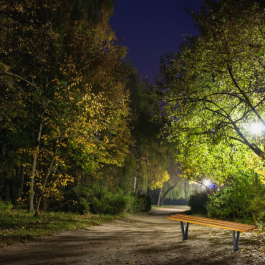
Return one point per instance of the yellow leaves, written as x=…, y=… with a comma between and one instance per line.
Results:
x=76, y=112
x=106, y=140
x=157, y=182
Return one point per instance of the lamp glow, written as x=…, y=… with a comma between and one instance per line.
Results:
x=256, y=128
x=206, y=182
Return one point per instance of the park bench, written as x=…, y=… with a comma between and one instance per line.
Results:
x=235, y=227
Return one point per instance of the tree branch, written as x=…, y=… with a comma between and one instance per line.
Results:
x=243, y=93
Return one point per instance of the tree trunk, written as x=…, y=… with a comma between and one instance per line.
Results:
x=17, y=186
x=85, y=179
x=82, y=180
x=46, y=179
x=159, y=197
x=134, y=185
x=34, y=163
x=4, y=188
x=20, y=190
x=185, y=189
x=166, y=193
x=7, y=190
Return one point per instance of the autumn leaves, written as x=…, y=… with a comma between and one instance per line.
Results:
x=62, y=94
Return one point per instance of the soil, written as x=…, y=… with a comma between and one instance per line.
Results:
x=139, y=239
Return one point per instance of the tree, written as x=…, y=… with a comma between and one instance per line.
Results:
x=71, y=106
x=213, y=87
x=145, y=166
x=174, y=180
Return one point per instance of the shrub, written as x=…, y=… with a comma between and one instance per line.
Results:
x=71, y=201
x=242, y=198
x=198, y=201
x=143, y=203
x=221, y=204
x=98, y=200
x=257, y=207
x=5, y=207
x=113, y=204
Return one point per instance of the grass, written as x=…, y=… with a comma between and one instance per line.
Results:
x=18, y=226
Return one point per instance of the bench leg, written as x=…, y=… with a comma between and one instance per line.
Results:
x=184, y=233
x=235, y=241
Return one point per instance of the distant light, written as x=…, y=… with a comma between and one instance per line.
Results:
x=256, y=128
x=206, y=182
x=212, y=186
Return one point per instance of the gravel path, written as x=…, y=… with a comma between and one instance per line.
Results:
x=141, y=239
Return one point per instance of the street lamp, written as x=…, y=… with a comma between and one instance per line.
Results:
x=206, y=182
x=256, y=128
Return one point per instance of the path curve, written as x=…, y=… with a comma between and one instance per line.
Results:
x=170, y=210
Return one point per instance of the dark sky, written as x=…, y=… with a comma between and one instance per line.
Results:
x=152, y=28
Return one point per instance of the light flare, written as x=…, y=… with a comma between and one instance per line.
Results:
x=256, y=128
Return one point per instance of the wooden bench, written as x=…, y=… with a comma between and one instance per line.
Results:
x=235, y=227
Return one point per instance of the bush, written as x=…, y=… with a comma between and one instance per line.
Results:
x=5, y=207
x=71, y=201
x=98, y=200
x=141, y=203
x=221, y=204
x=112, y=204
x=198, y=201
x=257, y=207
x=242, y=198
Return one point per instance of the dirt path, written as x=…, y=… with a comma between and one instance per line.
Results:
x=141, y=239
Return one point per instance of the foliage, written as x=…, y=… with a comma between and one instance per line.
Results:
x=98, y=200
x=212, y=89
x=241, y=198
x=198, y=201
x=148, y=160
x=180, y=201
x=164, y=177
x=5, y=207
x=63, y=96
x=141, y=203
x=72, y=111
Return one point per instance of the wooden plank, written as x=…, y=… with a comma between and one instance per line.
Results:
x=237, y=228
x=214, y=221
x=203, y=218
x=210, y=224
x=232, y=224
x=188, y=217
x=231, y=227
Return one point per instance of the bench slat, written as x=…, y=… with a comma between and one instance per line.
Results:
x=203, y=218
x=231, y=227
x=212, y=222
x=188, y=217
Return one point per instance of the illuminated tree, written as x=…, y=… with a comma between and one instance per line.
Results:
x=213, y=88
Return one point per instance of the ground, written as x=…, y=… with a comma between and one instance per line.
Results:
x=139, y=239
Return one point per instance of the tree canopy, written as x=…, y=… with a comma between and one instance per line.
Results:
x=213, y=90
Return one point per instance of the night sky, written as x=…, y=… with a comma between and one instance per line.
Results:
x=152, y=28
